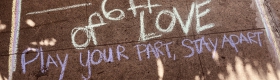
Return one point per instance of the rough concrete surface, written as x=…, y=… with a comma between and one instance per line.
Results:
x=156, y=39
x=274, y=11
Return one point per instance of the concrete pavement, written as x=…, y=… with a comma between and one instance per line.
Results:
x=142, y=39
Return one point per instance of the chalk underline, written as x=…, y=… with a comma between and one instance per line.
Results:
x=59, y=9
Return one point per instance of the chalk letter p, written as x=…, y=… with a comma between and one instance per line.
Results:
x=23, y=62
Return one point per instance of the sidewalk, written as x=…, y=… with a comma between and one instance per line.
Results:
x=142, y=39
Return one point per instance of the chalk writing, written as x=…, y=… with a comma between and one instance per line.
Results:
x=102, y=56
x=107, y=14
x=133, y=7
x=199, y=15
x=156, y=50
x=59, y=9
x=88, y=30
x=201, y=42
x=50, y=60
x=143, y=35
x=183, y=43
x=175, y=16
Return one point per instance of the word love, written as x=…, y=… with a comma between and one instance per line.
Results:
x=50, y=60
x=211, y=45
x=185, y=25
